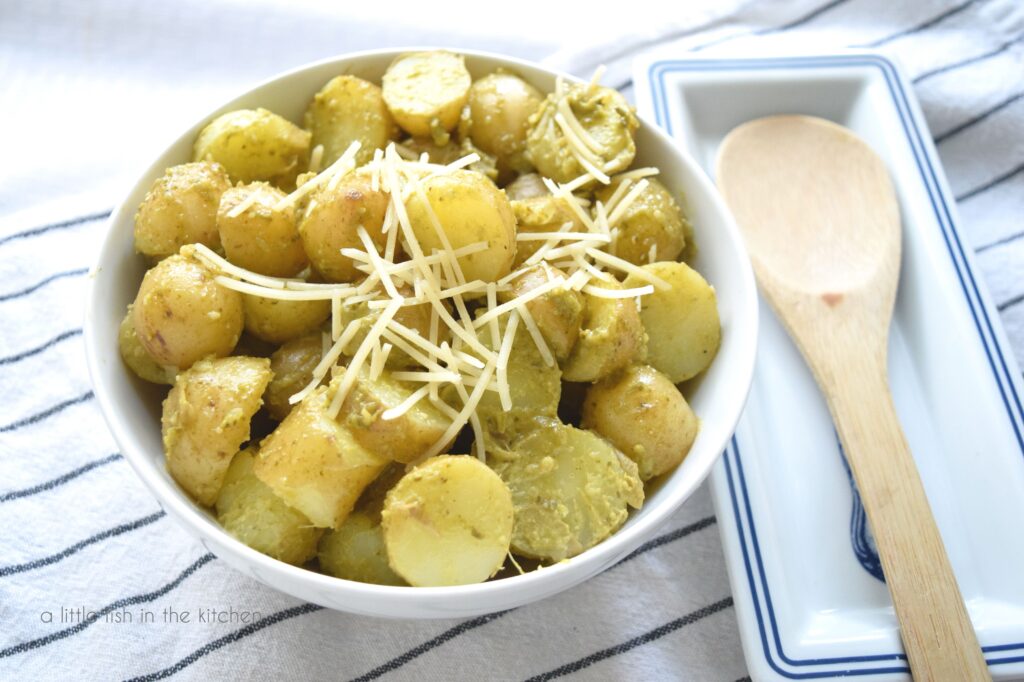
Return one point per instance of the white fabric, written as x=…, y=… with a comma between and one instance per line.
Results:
x=90, y=91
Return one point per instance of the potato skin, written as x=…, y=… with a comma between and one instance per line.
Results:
x=206, y=418
x=254, y=144
x=313, y=463
x=181, y=208
x=612, y=337
x=403, y=439
x=425, y=92
x=681, y=323
x=500, y=106
x=292, y=364
x=356, y=552
x=415, y=317
x=278, y=321
x=331, y=221
x=135, y=356
x=536, y=210
x=262, y=238
x=645, y=416
x=252, y=513
x=471, y=209
x=181, y=314
x=346, y=110
x=558, y=313
x=570, y=490
x=448, y=522
x=603, y=112
x=653, y=219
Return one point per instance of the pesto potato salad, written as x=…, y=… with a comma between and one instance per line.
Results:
x=368, y=323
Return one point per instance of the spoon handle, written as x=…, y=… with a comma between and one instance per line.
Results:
x=937, y=633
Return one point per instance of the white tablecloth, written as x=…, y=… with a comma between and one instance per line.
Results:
x=90, y=91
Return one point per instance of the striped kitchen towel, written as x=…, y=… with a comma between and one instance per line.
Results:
x=97, y=583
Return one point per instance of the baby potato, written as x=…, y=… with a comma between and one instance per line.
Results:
x=654, y=219
x=471, y=209
x=558, y=313
x=313, y=463
x=135, y=356
x=500, y=106
x=206, y=418
x=453, y=151
x=181, y=208
x=253, y=514
x=356, y=552
x=277, y=321
x=536, y=210
x=645, y=416
x=570, y=490
x=612, y=336
x=181, y=314
x=292, y=364
x=261, y=238
x=415, y=317
x=346, y=110
x=448, y=522
x=602, y=112
x=403, y=439
x=331, y=222
x=681, y=323
x=254, y=144
x=425, y=92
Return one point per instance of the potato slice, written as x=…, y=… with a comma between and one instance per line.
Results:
x=206, y=418
x=252, y=513
x=346, y=110
x=645, y=416
x=448, y=522
x=313, y=463
x=181, y=314
x=612, y=337
x=469, y=209
x=254, y=144
x=356, y=552
x=181, y=208
x=425, y=92
x=404, y=438
x=682, y=323
x=570, y=489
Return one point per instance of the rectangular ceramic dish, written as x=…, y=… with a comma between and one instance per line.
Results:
x=807, y=584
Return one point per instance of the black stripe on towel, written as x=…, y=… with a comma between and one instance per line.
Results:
x=63, y=336
x=119, y=604
x=60, y=480
x=800, y=21
x=79, y=546
x=48, y=412
x=64, y=224
x=952, y=11
x=1000, y=242
x=228, y=639
x=977, y=119
x=966, y=62
x=647, y=637
x=42, y=283
x=999, y=179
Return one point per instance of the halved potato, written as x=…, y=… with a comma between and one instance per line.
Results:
x=293, y=364
x=356, y=552
x=279, y=321
x=206, y=418
x=425, y=92
x=313, y=463
x=349, y=109
x=254, y=144
x=448, y=522
x=612, y=337
x=682, y=323
x=181, y=208
x=251, y=512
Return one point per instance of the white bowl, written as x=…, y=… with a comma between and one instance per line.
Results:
x=132, y=407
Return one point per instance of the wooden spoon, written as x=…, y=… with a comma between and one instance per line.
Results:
x=822, y=224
